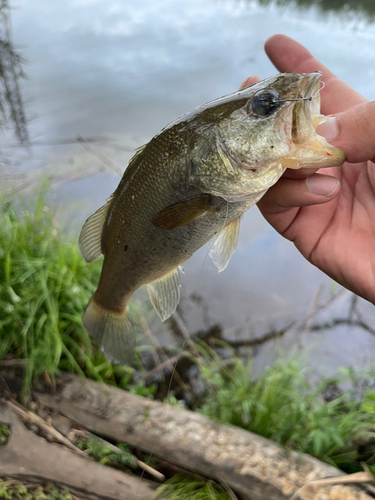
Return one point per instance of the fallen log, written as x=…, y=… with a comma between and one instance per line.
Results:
x=251, y=465
x=28, y=457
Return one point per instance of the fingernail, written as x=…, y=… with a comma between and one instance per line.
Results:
x=322, y=185
x=328, y=129
x=250, y=80
x=244, y=84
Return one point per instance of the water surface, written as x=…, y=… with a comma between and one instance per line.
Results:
x=125, y=69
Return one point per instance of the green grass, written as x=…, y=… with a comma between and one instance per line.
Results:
x=12, y=490
x=282, y=405
x=180, y=487
x=45, y=286
x=4, y=433
x=106, y=455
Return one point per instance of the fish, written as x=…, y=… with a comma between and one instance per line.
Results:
x=190, y=185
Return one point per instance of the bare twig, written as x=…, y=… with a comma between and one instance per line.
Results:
x=169, y=363
x=100, y=155
x=156, y=343
x=55, y=180
x=274, y=334
x=357, y=477
x=29, y=457
x=147, y=468
x=312, y=311
x=184, y=332
x=56, y=142
x=224, y=484
x=152, y=338
x=33, y=418
x=342, y=321
x=13, y=362
x=353, y=306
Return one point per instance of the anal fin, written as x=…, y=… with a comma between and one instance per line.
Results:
x=165, y=294
x=224, y=243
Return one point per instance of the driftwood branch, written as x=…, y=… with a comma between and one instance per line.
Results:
x=252, y=466
x=156, y=474
x=353, y=318
x=29, y=457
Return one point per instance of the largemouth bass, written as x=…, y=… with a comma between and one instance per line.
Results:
x=189, y=185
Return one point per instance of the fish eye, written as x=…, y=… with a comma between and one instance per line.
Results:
x=265, y=102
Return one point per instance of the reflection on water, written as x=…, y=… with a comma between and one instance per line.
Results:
x=365, y=7
x=125, y=69
x=11, y=70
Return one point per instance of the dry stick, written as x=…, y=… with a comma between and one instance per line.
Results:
x=294, y=324
x=57, y=142
x=32, y=417
x=312, y=311
x=224, y=484
x=100, y=155
x=9, y=482
x=353, y=306
x=169, y=363
x=147, y=468
x=71, y=177
x=54, y=181
x=59, y=465
x=149, y=334
x=360, y=319
x=156, y=343
x=14, y=362
x=184, y=332
x=342, y=321
x=357, y=477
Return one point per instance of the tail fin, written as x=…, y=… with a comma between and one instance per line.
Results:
x=111, y=331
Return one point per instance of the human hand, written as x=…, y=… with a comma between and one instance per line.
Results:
x=330, y=215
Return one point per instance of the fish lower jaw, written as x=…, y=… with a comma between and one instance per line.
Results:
x=316, y=154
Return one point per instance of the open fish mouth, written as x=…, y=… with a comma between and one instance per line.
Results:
x=259, y=132
x=297, y=123
x=306, y=111
x=310, y=150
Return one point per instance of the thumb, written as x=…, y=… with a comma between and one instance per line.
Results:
x=353, y=131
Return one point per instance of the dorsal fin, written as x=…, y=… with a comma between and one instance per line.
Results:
x=133, y=164
x=165, y=294
x=224, y=243
x=90, y=239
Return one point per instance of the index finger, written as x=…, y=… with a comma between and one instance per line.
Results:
x=290, y=56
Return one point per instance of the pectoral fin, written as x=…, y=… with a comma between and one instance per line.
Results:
x=224, y=243
x=165, y=294
x=90, y=239
x=183, y=212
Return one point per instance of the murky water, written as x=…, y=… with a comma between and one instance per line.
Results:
x=124, y=69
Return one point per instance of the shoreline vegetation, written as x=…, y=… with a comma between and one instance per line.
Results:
x=44, y=288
